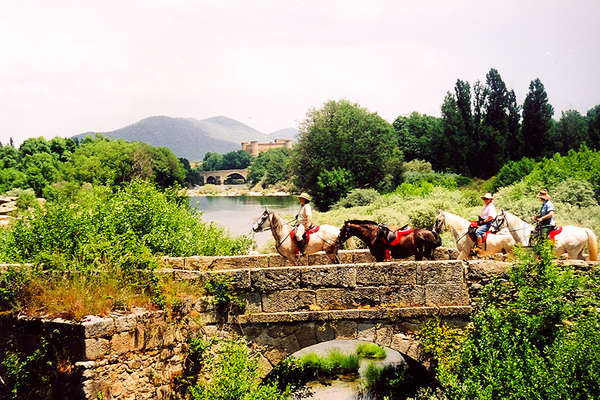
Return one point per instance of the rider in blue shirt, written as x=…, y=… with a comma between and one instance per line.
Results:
x=545, y=218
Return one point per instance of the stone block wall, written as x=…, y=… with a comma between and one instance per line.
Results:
x=346, y=286
x=205, y=263
x=132, y=356
x=138, y=355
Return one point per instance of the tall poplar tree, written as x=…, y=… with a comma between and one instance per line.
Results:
x=537, y=120
x=451, y=147
x=494, y=129
x=515, y=142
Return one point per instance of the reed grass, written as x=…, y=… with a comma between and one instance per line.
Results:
x=371, y=351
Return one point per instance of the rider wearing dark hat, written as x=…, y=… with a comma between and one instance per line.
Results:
x=303, y=220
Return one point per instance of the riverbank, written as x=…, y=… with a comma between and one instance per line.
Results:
x=234, y=190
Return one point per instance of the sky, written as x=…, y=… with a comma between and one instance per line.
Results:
x=68, y=67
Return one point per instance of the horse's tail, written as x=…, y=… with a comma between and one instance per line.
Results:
x=592, y=245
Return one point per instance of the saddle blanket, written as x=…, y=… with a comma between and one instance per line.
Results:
x=472, y=228
x=555, y=232
x=396, y=241
x=307, y=234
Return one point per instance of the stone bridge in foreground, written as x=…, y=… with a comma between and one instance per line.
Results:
x=288, y=307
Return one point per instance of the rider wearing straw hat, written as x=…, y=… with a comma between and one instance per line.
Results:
x=545, y=219
x=488, y=214
x=303, y=220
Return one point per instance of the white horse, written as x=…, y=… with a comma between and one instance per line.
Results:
x=324, y=239
x=571, y=240
x=495, y=243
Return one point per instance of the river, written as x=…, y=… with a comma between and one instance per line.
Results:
x=344, y=387
x=238, y=213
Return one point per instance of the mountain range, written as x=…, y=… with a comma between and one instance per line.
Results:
x=191, y=138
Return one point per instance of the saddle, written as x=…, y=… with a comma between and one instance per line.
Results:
x=306, y=235
x=473, y=227
x=551, y=235
x=392, y=238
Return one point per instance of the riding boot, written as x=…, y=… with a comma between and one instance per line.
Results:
x=479, y=248
x=300, y=245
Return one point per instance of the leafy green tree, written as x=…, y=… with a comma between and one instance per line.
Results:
x=12, y=178
x=9, y=157
x=212, y=161
x=240, y=159
x=593, y=122
x=34, y=145
x=516, y=143
x=62, y=148
x=415, y=133
x=343, y=136
x=537, y=120
x=496, y=102
x=449, y=147
x=41, y=170
x=333, y=185
x=270, y=167
x=513, y=171
x=166, y=167
x=570, y=132
x=493, y=133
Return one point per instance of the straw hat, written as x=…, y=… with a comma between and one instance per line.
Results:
x=487, y=196
x=304, y=196
x=543, y=194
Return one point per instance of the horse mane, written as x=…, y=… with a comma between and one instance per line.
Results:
x=274, y=221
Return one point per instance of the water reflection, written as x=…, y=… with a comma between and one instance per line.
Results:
x=345, y=387
x=238, y=213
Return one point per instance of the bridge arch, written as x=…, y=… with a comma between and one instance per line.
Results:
x=275, y=341
x=212, y=180
x=237, y=176
x=220, y=176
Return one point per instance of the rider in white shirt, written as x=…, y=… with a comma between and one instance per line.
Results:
x=303, y=220
x=488, y=215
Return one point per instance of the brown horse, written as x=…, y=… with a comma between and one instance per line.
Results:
x=384, y=242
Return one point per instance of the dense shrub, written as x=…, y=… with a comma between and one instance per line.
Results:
x=418, y=166
x=535, y=336
x=447, y=180
x=332, y=185
x=575, y=192
x=226, y=370
x=358, y=197
x=511, y=172
x=135, y=221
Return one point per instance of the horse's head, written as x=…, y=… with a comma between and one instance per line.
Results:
x=345, y=233
x=263, y=222
x=440, y=222
x=361, y=228
x=499, y=222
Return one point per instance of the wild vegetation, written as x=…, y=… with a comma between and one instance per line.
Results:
x=113, y=207
x=105, y=243
x=533, y=336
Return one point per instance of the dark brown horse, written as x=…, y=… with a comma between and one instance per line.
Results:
x=385, y=242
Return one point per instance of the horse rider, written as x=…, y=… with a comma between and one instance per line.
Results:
x=545, y=219
x=488, y=215
x=303, y=220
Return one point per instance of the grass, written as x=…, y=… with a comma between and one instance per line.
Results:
x=371, y=351
x=334, y=363
x=73, y=295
